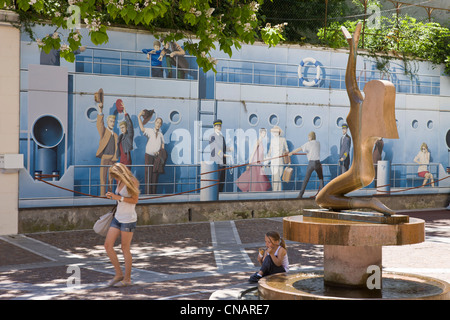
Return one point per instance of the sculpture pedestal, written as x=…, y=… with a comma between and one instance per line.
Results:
x=349, y=247
x=347, y=265
x=352, y=240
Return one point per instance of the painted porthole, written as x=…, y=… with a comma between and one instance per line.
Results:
x=253, y=119
x=273, y=120
x=298, y=121
x=175, y=117
x=339, y=122
x=317, y=121
x=91, y=114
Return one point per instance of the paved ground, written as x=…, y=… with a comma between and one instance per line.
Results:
x=191, y=261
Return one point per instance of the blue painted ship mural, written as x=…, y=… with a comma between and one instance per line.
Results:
x=67, y=108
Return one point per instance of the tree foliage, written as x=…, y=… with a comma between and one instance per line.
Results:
x=402, y=37
x=304, y=17
x=205, y=24
x=201, y=23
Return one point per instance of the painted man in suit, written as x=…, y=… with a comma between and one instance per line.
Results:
x=107, y=149
x=344, y=153
x=125, y=139
x=218, y=151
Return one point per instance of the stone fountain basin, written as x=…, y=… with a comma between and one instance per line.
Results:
x=311, y=286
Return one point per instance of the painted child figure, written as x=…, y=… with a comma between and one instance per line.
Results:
x=156, y=63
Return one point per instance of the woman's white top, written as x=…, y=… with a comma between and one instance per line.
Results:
x=126, y=212
x=423, y=158
x=285, y=262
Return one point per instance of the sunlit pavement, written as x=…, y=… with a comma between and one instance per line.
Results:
x=191, y=261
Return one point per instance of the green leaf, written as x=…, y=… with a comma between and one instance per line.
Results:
x=148, y=17
x=99, y=37
x=68, y=55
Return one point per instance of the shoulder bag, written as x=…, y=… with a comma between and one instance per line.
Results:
x=101, y=226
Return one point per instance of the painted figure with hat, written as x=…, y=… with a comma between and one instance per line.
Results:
x=218, y=149
x=344, y=150
x=125, y=144
x=155, y=144
x=278, y=148
x=107, y=149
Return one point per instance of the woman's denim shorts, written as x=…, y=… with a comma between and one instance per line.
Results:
x=127, y=227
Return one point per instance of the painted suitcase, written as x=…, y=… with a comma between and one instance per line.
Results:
x=287, y=174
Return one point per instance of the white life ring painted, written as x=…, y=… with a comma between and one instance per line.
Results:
x=304, y=81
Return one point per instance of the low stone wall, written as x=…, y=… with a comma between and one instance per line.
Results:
x=74, y=218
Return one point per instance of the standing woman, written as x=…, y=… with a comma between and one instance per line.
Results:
x=124, y=221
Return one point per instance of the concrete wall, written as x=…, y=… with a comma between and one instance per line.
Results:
x=9, y=120
x=72, y=218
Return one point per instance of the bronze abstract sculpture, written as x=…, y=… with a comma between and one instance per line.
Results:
x=371, y=117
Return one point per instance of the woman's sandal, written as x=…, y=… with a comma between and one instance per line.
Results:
x=122, y=283
x=112, y=282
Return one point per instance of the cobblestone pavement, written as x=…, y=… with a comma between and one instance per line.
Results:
x=191, y=261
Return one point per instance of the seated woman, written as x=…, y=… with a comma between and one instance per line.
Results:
x=423, y=158
x=274, y=260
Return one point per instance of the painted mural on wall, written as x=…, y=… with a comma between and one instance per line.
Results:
x=80, y=119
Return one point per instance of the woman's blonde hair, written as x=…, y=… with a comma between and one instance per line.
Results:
x=119, y=171
x=276, y=237
x=424, y=145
